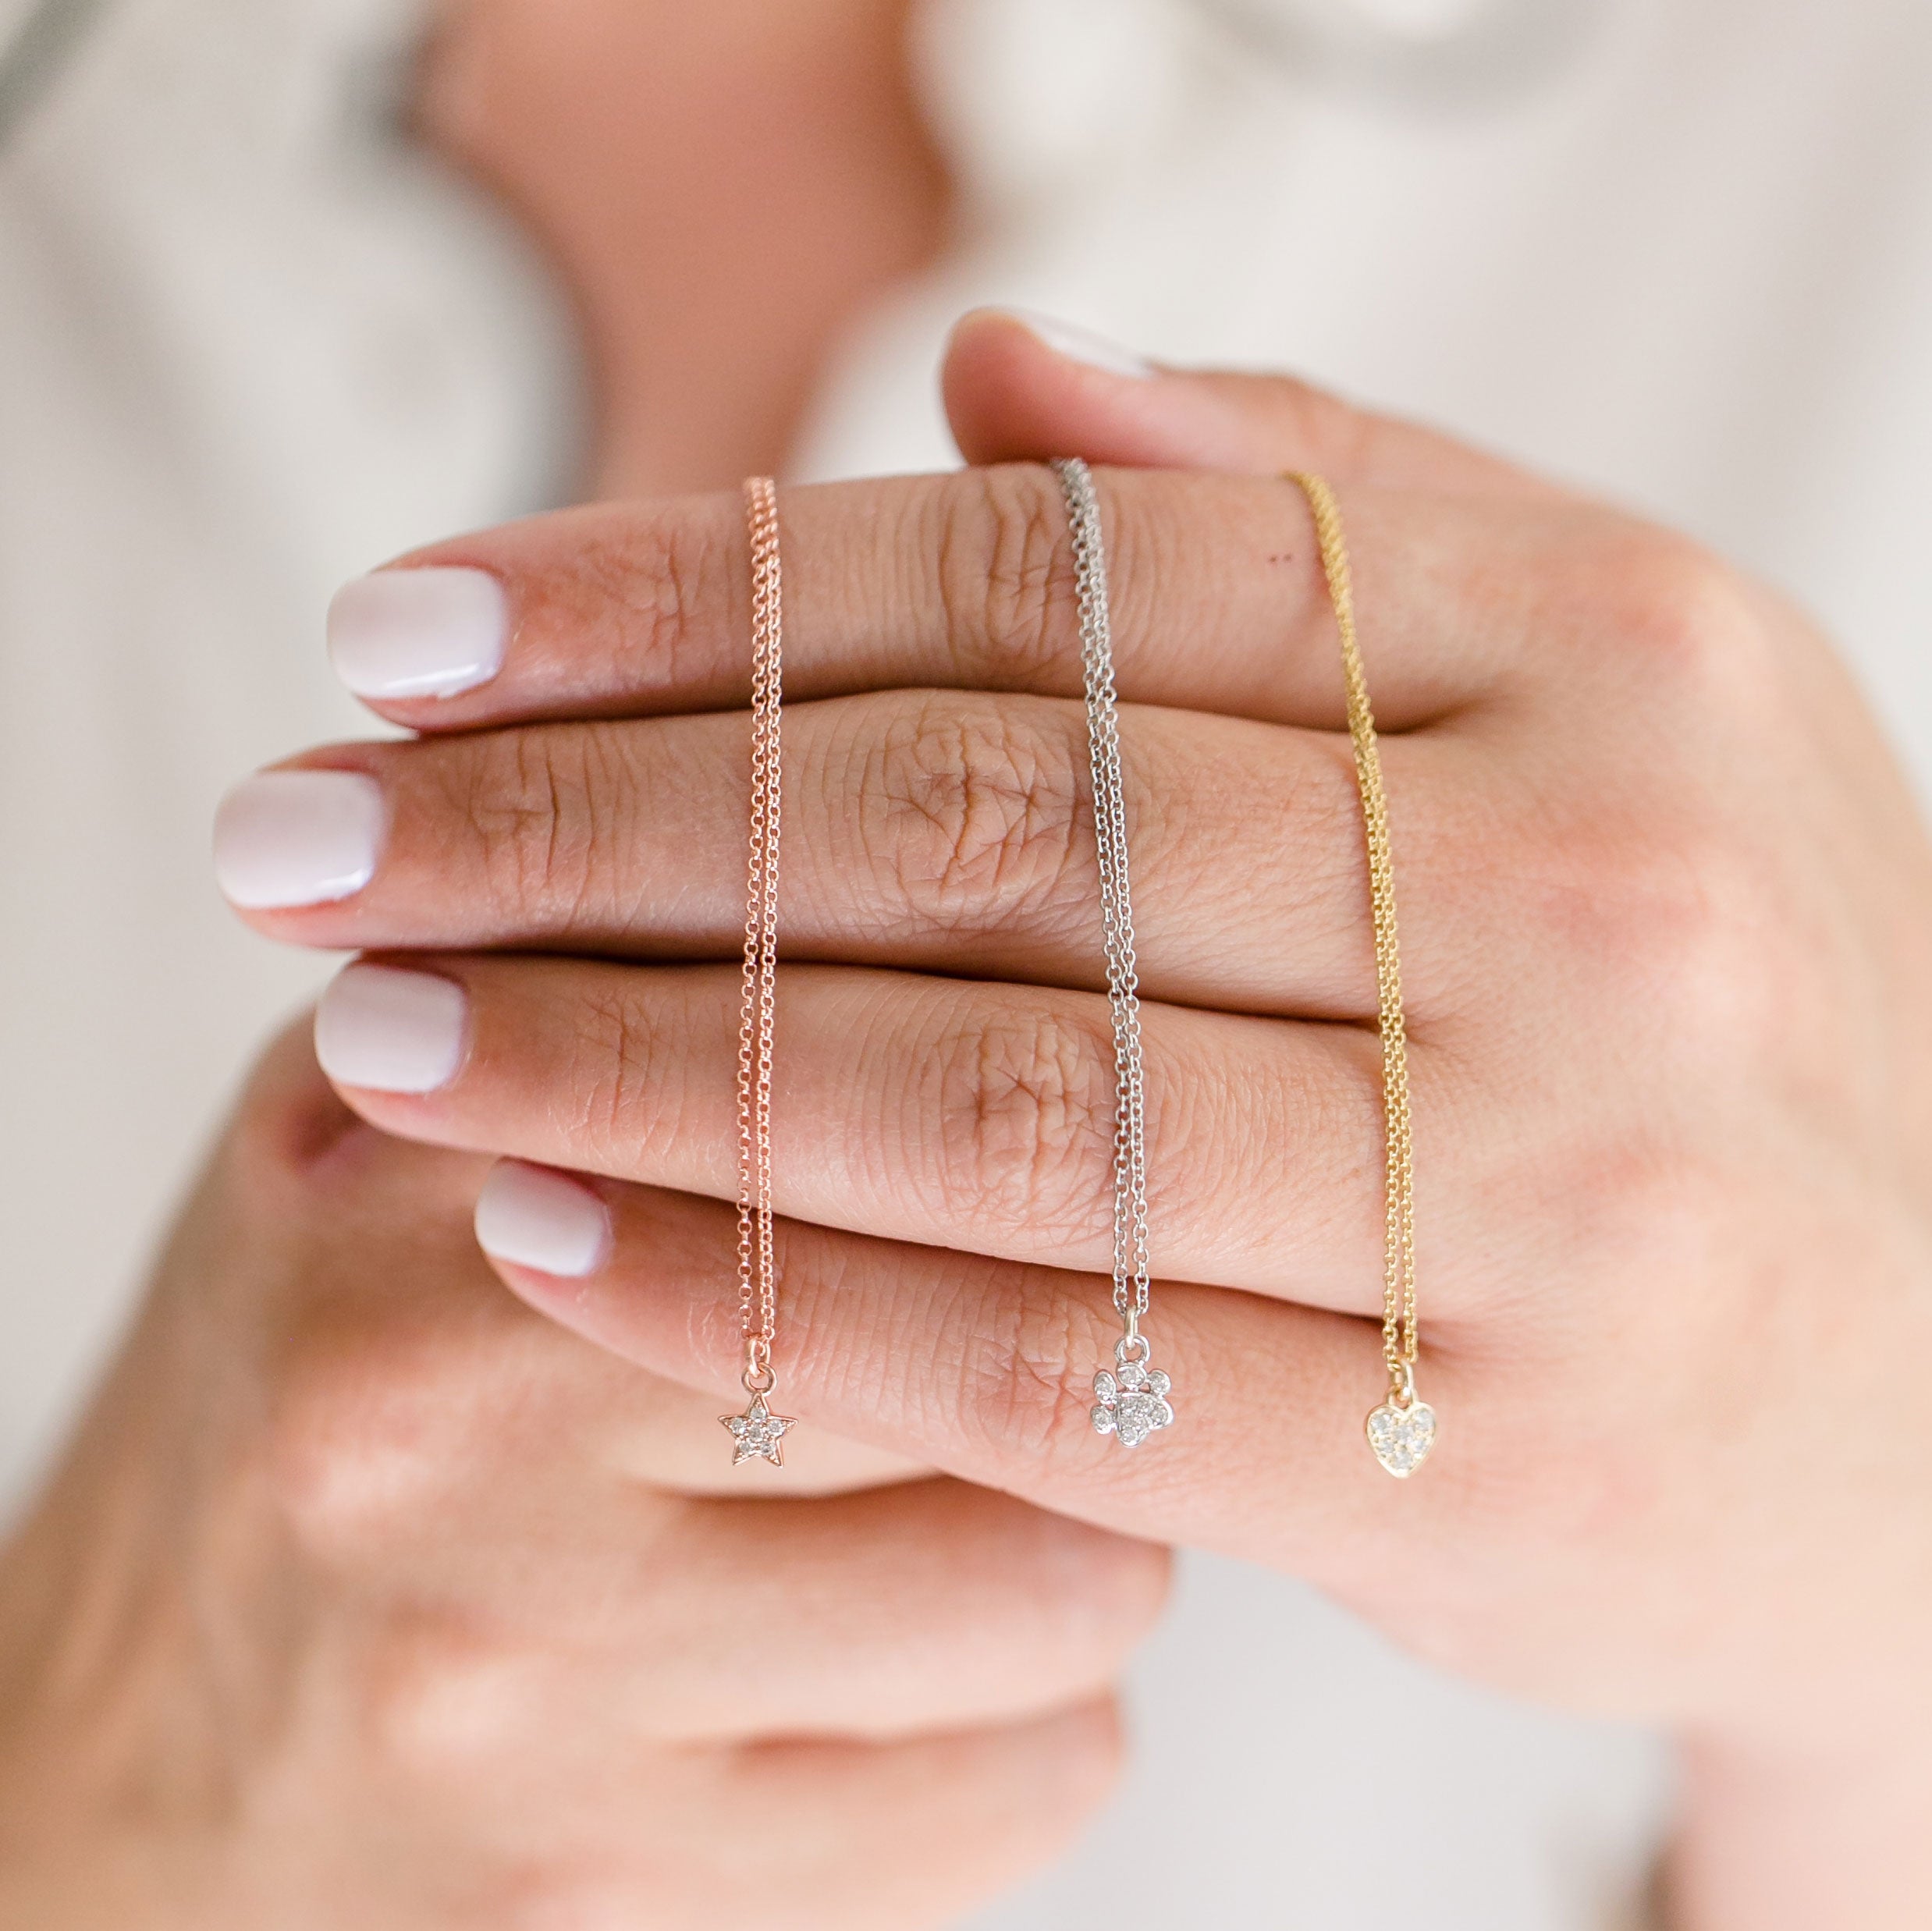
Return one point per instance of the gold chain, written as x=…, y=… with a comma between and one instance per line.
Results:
x=757, y=1435
x=758, y=1293
x=1398, y=1280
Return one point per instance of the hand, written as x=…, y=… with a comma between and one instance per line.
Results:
x=1666, y=910
x=368, y=1598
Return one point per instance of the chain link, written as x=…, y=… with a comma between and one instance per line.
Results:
x=757, y=1292
x=1398, y=1285
x=1116, y=907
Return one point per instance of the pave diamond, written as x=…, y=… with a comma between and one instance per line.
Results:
x=1131, y=1402
x=757, y=1433
x=1402, y=1437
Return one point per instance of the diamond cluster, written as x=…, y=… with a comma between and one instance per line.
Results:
x=1402, y=1437
x=1131, y=1403
x=756, y=1434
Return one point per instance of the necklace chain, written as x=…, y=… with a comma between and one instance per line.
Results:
x=1116, y=907
x=1398, y=1281
x=758, y=1293
x=757, y=1281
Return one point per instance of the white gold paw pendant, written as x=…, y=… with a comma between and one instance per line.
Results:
x=1132, y=1401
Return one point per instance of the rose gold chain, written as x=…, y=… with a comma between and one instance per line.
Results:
x=758, y=1288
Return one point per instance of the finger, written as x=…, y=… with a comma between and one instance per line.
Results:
x=929, y=1606
x=1019, y=388
x=952, y=831
x=789, y=1834
x=952, y=1113
x=1215, y=582
x=665, y=1435
x=291, y=1150
x=404, y=1385
x=986, y=1368
x=437, y=1398
x=860, y=1837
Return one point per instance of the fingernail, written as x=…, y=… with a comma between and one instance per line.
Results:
x=392, y=1031
x=418, y=633
x=532, y=1217
x=1082, y=345
x=298, y=837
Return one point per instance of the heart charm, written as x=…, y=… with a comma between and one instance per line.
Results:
x=1402, y=1437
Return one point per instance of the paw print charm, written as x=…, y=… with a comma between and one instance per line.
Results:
x=1131, y=1402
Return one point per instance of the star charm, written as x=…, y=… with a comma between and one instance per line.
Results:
x=756, y=1434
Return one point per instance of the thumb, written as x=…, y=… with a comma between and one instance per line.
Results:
x=1023, y=387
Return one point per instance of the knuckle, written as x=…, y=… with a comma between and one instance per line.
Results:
x=619, y=1105
x=439, y=1696
x=535, y=804
x=691, y=569
x=1736, y=975
x=970, y=822
x=1688, y=927
x=1684, y=922
x=644, y=587
x=1006, y=574
x=1690, y=621
x=1020, y=1392
x=1684, y=915
x=358, y=1433
x=1026, y=1120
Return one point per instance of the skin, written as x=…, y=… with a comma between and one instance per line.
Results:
x=369, y=1597
x=721, y=189
x=272, y=1650
x=1668, y=909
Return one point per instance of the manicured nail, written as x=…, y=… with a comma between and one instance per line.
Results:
x=1082, y=345
x=298, y=837
x=532, y=1217
x=418, y=633
x=391, y=1031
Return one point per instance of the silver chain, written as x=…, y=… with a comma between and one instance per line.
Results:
x=1117, y=919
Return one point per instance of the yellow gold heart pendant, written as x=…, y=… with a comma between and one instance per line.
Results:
x=1402, y=1437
